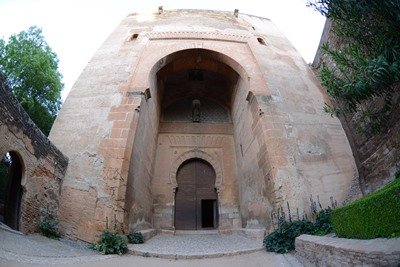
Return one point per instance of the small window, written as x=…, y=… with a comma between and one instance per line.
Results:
x=134, y=37
x=196, y=75
x=261, y=41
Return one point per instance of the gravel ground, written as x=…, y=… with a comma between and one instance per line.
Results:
x=37, y=249
x=17, y=250
x=196, y=246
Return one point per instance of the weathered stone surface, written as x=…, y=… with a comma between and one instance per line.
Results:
x=43, y=165
x=332, y=251
x=378, y=155
x=278, y=146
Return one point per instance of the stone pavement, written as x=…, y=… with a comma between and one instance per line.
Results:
x=195, y=246
x=17, y=250
x=37, y=249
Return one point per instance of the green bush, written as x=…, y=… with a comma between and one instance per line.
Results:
x=375, y=215
x=49, y=227
x=282, y=239
x=323, y=225
x=136, y=238
x=111, y=243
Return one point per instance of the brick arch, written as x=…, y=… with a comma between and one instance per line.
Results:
x=4, y=150
x=199, y=154
x=15, y=192
x=152, y=60
x=198, y=59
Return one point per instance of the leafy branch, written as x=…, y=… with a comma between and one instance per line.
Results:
x=364, y=63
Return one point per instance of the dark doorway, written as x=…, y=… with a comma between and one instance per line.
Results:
x=208, y=213
x=11, y=189
x=196, y=197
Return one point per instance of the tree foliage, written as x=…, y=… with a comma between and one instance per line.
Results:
x=29, y=67
x=366, y=64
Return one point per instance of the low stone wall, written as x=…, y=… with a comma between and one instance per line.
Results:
x=332, y=251
x=43, y=165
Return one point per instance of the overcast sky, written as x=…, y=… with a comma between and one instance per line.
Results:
x=75, y=29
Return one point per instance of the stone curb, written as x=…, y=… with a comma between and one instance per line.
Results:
x=191, y=256
x=6, y=228
x=51, y=260
x=323, y=251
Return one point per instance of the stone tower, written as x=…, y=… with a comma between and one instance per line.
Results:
x=189, y=120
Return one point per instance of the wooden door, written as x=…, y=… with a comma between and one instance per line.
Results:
x=185, y=198
x=196, y=198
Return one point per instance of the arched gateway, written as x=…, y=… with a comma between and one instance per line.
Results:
x=160, y=92
x=11, y=191
x=196, y=91
x=196, y=200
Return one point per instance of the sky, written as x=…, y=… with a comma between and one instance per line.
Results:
x=75, y=29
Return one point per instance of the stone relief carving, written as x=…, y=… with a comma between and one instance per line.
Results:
x=195, y=140
x=198, y=35
x=196, y=152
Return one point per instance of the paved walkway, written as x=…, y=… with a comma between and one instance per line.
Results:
x=18, y=250
x=37, y=249
x=196, y=246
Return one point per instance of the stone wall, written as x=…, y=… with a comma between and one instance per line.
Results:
x=257, y=194
x=284, y=147
x=306, y=150
x=332, y=251
x=213, y=143
x=377, y=156
x=43, y=165
x=139, y=197
x=94, y=129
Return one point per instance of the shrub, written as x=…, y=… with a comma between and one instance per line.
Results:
x=136, y=238
x=111, y=243
x=375, y=215
x=323, y=225
x=49, y=227
x=282, y=239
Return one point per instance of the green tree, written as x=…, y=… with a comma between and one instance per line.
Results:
x=365, y=57
x=29, y=67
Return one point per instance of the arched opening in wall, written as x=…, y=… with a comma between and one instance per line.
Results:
x=196, y=200
x=198, y=103
x=195, y=90
x=134, y=37
x=261, y=41
x=195, y=87
x=11, y=170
